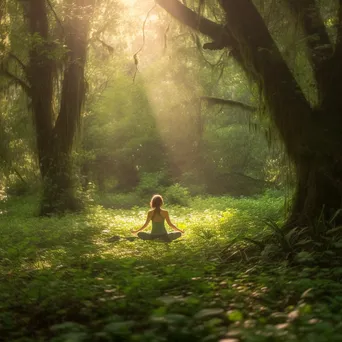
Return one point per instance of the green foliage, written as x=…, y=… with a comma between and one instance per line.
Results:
x=150, y=126
x=193, y=183
x=151, y=183
x=177, y=194
x=120, y=200
x=17, y=187
x=62, y=280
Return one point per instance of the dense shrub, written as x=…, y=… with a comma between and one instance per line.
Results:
x=14, y=186
x=120, y=200
x=151, y=183
x=177, y=194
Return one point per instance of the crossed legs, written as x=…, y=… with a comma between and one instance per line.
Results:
x=165, y=238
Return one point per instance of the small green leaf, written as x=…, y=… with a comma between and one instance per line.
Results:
x=235, y=315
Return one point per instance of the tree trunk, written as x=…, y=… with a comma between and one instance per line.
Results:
x=318, y=193
x=55, y=140
x=312, y=133
x=58, y=185
x=319, y=173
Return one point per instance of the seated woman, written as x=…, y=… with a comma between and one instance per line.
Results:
x=158, y=216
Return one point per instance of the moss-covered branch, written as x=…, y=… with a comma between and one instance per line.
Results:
x=185, y=15
x=265, y=64
x=16, y=80
x=237, y=104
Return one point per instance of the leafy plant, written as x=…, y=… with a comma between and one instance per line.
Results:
x=177, y=194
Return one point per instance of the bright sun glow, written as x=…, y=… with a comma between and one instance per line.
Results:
x=159, y=70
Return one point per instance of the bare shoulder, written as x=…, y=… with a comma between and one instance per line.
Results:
x=150, y=212
x=164, y=212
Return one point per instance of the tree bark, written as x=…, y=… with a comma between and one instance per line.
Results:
x=40, y=77
x=312, y=136
x=58, y=185
x=55, y=139
x=318, y=192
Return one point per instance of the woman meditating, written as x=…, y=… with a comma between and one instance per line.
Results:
x=158, y=216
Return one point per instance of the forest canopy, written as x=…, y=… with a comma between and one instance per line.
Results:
x=132, y=103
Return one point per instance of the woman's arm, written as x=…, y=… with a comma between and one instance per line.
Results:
x=148, y=219
x=167, y=218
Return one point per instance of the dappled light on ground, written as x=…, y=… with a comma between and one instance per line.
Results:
x=62, y=278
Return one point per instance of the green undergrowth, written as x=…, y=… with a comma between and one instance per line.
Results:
x=61, y=280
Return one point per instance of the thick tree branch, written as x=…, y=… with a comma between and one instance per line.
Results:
x=200, y=49
x=19, y=61
x=218, y=33
x=237, y=104
x=16, y=80
x=4, y=70
x=264, y=63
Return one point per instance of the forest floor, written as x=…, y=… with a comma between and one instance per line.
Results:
x=61, y=280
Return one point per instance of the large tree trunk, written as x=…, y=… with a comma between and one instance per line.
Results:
x=55, y=136
x=312, y=133
x=58, y=184
x=319, y=172
x=318, y=191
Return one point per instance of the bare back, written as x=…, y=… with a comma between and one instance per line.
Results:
x=158, y=217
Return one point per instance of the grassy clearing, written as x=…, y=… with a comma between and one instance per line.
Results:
x=62, y=280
